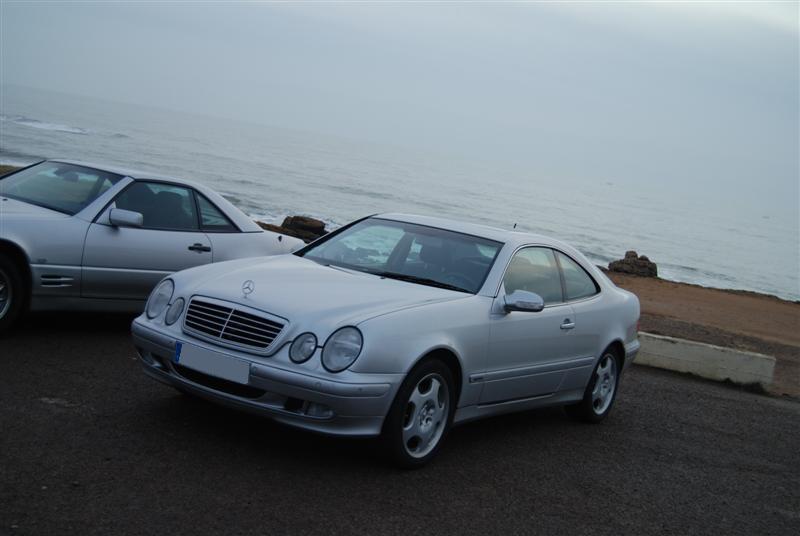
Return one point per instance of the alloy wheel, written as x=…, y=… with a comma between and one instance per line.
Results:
x=425, y=415
x=605, y=384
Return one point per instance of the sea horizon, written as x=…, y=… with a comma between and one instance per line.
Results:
x=274, y=171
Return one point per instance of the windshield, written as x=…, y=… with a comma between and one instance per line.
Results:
x=63, y=187
x=410, y=252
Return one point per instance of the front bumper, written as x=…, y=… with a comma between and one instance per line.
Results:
x=295, y=398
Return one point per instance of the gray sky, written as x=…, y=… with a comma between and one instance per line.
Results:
x=703, y=93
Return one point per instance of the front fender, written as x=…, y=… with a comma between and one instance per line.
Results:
x=53, y=248
x=395, y=342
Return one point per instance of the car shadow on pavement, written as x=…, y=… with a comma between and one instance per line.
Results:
x=201, y=422
x=210, y=426
x=56, y=323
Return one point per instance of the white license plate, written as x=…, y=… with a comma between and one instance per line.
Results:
x=212, y=363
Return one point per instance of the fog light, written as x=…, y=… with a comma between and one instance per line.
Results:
x=146, y=356
x=318, y=410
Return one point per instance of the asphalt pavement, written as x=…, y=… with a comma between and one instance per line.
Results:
x=89, y=445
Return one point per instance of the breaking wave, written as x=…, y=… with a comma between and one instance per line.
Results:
x=35, y=123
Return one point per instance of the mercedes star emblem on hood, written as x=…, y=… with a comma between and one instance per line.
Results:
x=248, y=287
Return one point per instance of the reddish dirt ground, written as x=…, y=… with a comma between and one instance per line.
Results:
x=732, y=318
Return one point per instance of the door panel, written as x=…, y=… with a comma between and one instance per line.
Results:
x=123, y=262
x=529, y=351
x=525, y=349
x=591, y=328
x=127, y=262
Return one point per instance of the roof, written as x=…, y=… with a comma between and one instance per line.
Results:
x=243, y=221
x=497, y=234
x=133, y=173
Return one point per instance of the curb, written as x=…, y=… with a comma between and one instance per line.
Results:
x=705, y=360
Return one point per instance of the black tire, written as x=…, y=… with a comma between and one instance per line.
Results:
x=594, y=407
x=12, y=294
x=427, y=416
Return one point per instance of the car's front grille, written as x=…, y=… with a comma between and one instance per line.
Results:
x=230, y=324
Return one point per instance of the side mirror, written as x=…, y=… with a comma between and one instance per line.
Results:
x=522, y=300
x=125, y=218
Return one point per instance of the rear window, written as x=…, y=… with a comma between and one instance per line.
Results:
x=211, y=218
x=579, y=284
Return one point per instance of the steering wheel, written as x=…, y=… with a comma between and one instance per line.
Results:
x=459, y=279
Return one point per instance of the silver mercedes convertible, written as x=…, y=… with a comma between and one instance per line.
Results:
x=396, y=326
x=81, y=236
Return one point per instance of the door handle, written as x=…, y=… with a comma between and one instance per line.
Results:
x=567, y=324
x=199, y=247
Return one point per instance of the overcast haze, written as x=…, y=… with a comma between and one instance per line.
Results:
x=668, y=94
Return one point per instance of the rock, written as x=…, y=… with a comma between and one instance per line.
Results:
x=635, y=265
x=271, y=227
x=304, y=223
x=302, y=227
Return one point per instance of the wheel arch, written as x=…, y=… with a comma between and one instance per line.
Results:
x=20, y=258
x=618, y=348
x=15, y=251
x=450, y=358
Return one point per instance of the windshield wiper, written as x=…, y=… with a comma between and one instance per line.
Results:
x=344, y=269
x=420, y=280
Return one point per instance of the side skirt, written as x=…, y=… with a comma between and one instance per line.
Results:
x=471, y=413
x=51, y=303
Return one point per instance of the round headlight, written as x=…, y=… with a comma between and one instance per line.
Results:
x=159, y=298
x=174, y=311
x=342, y=349
x=303, y=347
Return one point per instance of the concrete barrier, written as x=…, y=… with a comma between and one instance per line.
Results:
x=705, y=360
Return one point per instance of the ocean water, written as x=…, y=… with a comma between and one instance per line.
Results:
x=272, y=172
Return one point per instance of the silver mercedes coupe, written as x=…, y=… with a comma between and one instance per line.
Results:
x=80, y=236
x=396, y=326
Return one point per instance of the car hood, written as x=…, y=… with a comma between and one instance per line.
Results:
x=11, y=208
x=309, y=295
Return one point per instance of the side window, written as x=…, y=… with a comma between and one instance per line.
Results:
x=579, y=284
x=163, y=206
x=211, y=218
x=535, y=270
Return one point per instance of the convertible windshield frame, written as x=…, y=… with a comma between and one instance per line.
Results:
x=405, y=225
x=94, y=193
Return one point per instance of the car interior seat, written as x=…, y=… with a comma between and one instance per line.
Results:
x=169, y=213
x=435, y=258
x=138, y=198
